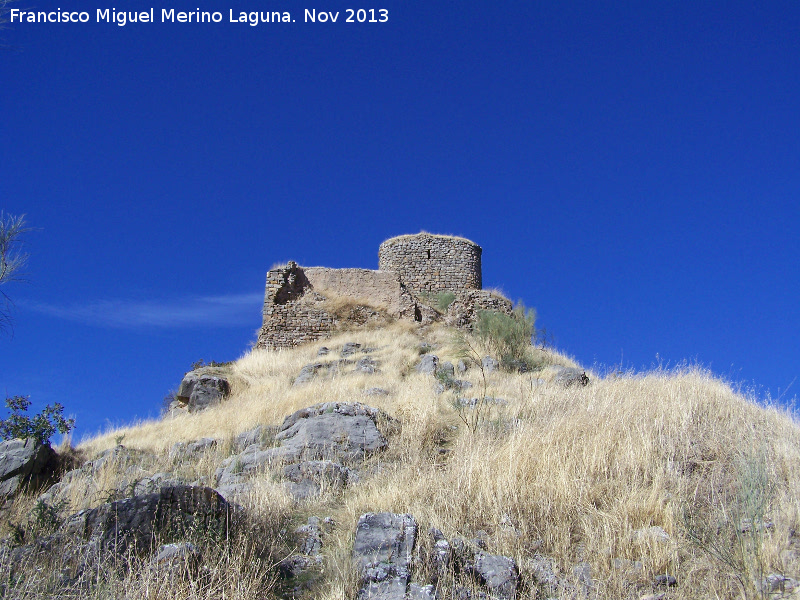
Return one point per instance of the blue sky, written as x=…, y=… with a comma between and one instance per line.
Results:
x=632, y=171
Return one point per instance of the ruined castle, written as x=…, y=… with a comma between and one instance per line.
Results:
x=415, y=273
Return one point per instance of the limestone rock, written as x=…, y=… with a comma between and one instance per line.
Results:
x=583, y=573
x=178, y=559
x=183, y=449
x=25, y=462
x=428, y=364
x=499, y=574
x=568, y=376
x=310, y=478
x=350, y=348
x=446, y=369
x=250, y=437
x=203, y=388
x=421, y=592
x=311, y=371
x=382, y=554
x=135, y=522
x=331, y=431
x=544, y=573
x=339, y=433
x=489, y=364
x=366, y=365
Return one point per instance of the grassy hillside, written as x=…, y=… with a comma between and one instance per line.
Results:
x=577, y=475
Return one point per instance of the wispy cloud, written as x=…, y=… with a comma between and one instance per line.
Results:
x=214, y=311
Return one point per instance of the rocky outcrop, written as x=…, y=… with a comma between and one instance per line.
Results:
x=499, y=574
x=309, y=478
x=136, y=522
x=568, y=376
x=202, y=388
x=382, y=553
x=25, y=463
x=318, y=446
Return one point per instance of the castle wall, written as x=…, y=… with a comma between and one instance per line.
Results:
x=432, y=263
x=288, y=320
x=290, y=325
x=379, y=287
x=411, y=266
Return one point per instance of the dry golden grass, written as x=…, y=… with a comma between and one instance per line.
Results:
x=570, y=473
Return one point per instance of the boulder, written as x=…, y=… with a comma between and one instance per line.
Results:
x=309, y=478
x=498, y=573
x=331, y=431
x=428, y=364
x=350, y=348
x=568, y=376
x=137, y=522
x=489, y=364
x=203, y=388
x=184, y=449
x=311, y=371
x=339, y=433
x=366, y=365
x=248, y=438
x=446, y=369
x=544, y=573
x=179, y=559
x=583, y=573
x=25, y=463
x=382, y=554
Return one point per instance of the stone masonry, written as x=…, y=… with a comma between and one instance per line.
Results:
x=432, y=263
x=413, y=269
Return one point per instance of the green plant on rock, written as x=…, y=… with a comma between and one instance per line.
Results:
x=444, y=300
x=41, y=427
x=508, y=336
x=731, y=529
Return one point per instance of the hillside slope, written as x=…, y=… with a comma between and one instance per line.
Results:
x=666, y=483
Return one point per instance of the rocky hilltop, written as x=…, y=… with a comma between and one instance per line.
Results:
x=409, y=460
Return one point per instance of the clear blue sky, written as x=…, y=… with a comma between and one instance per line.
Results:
x=632, y=171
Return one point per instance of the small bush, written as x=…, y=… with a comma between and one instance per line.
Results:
x=41, y=426
x=509, y=337
x=199, y=364
x=444, y=300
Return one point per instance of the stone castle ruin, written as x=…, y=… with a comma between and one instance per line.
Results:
x=422, y=277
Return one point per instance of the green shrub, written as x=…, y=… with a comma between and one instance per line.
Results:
x=444, y=300
x=41, y=426
x=509, y=337
x=199, y=364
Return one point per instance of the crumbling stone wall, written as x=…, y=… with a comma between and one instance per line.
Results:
x=432, y=263
x=292, y=315
x=378, y=287
x=412, y=268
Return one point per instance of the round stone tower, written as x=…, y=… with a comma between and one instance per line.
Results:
x=432, y=263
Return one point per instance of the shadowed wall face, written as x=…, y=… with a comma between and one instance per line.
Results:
x=432, y=263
